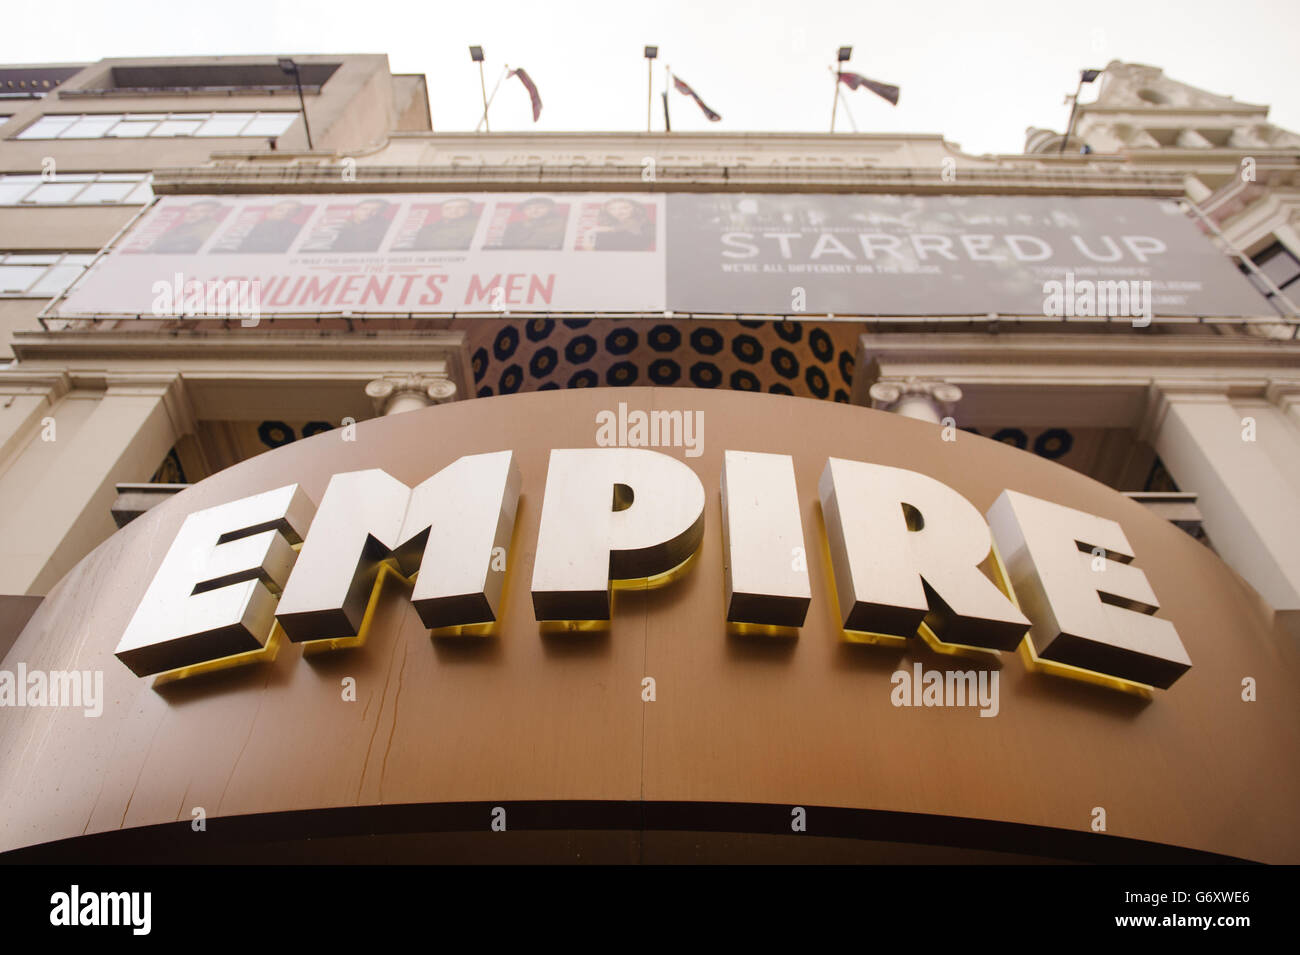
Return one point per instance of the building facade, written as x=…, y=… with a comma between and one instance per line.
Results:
x=1142, y=410
x=1192, y=408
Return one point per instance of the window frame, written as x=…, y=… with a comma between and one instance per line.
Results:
x=159, y=121
x=132, y=182
x=57, y=261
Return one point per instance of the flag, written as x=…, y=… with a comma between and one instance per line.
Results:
x=855, y=81
x=532, y=91
x=683, y=87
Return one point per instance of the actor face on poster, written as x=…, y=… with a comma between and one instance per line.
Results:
x=452, y=230
x=538, y=224
x=191, y=231
x=364, y=229
x=276, y=230
x=621, y=226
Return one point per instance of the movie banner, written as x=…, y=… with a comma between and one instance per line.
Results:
x=728, y=254
x=384, y=254
x=947, y=255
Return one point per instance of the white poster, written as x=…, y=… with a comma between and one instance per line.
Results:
x=223, y=256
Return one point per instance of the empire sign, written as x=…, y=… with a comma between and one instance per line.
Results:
x=910, y=556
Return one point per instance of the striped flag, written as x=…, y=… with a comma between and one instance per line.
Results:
x=532, y=91
x=684, y=87
x=856, y=81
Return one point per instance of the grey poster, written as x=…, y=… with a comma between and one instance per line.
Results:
x=947, y=255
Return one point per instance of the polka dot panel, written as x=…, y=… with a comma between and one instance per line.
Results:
x=536, y=354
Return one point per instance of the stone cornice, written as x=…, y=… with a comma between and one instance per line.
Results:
x=669, y=177
x=1084, y=350
x=237, y=344
x=1169, y=113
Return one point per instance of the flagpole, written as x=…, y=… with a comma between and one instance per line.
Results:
x=840, y=98
x=1074, y=108
x=853, y=125
x=650, y=53
x=842, y=56
x=668, y=81
x=835, y=102
x=492, y=99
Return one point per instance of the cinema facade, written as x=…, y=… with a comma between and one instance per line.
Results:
x=611, y=497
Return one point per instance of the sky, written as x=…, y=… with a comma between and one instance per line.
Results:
x=977, y=72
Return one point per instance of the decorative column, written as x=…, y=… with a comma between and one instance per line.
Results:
x=1235, y=461
x=925, y=399
x=69, y=465
x=393, y=394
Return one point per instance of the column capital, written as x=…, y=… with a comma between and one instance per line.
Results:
x=406, y=391
x=1285, y=396
x=893, y=394
x=52, y=385
x=169, y=386
x=1283, y=393
x=1161, y=393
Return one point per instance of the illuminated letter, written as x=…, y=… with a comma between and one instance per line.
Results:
x=760, y=533
x=906, y=550
x=611, y=514
x=447, y=528
x=1097, y=621
x=213, y=596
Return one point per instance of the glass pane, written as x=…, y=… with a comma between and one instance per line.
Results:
x=177, y=127
x=270, y=124
x=122, y=176
x=133, y=128
x=31, y=260
x=18, y=278
x=224, y=124
x=106, y=192
x=200, y=116
x=56, y=192
x=13, y=188
x=91, y=127
x=140, y=194
x=1281, y=267
x=47, y=127
x=79, y=259
x=56, y=280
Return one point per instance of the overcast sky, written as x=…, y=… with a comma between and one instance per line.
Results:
x=979, y=73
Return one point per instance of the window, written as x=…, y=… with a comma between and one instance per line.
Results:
x=225, y=124
x=139, y=125
x=76, y=189
x=1282, y=268
x=1279, y=264
x=268, y=124
x=42, y=275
